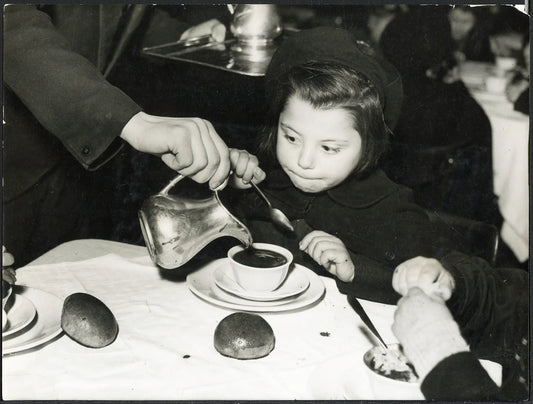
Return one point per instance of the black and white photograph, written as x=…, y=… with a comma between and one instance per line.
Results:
x=265, y=201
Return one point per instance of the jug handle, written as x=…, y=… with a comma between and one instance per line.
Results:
x=164, y=191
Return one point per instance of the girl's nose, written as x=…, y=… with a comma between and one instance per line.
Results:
x=306, y=158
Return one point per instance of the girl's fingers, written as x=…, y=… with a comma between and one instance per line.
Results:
x=310, y=241
x=321, y=247
x=259, y=175
x=239, y=161
x=251, y=165
x=308, y=237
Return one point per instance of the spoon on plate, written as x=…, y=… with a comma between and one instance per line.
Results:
x=277, y=216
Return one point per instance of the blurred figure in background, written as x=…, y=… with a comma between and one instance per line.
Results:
x=380, y=16
x=469, y=30
x=509, y=31
x=441, y=146
x=517, y=90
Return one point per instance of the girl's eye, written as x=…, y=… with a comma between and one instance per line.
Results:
x=331, y=150
x=290, y=139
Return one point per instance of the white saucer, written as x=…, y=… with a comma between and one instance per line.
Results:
x=224, y=296
x=46, y=326
x=202, y=284
x=295, y=283
x=20, y=313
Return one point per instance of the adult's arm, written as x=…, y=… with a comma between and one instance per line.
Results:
x=465, y=380
x=489, y=304
x=62, y=89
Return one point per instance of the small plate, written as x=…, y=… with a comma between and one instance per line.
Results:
x=295, y=283
x=47, y=324
x=202, y=284
x=20, y=313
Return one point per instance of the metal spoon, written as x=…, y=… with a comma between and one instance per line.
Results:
x=358, y=308
x=277, y=216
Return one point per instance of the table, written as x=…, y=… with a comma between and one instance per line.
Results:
x=164, y=349
x=510, y=152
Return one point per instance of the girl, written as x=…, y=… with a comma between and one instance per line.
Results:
x=331, y=103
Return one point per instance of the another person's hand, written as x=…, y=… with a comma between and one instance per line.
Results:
x=8, y=274
x=427, y=331
x=245, y=168
x=212, y=27
x=190, y=146
x=330, y=252
x=427, y=274
x=514, y=89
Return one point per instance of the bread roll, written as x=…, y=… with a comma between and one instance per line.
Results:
x=244, y=336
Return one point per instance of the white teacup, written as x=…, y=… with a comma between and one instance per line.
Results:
x=495, y=84
x=263, y=272
x=505, y=63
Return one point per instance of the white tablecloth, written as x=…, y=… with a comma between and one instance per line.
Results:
x=165, y=350
x=510, y=148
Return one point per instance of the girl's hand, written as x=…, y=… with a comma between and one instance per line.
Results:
x=245, y=167
x=425, y=273
x=330, y=252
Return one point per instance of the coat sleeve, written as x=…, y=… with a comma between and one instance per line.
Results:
x=372, y=281
x=489, y=304
x=459, y=377
x=62, y=89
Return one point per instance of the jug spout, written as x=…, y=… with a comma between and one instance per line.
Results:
x=175, y=228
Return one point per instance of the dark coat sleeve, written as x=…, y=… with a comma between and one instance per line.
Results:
x=62, y=89
x=459, y=377
x=491, y=306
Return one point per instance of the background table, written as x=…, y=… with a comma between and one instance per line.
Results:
x=510, y=152
x=165, y=350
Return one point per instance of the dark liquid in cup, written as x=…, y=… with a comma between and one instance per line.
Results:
x=256, y=257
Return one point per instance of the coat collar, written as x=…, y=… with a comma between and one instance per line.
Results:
x=354, y=192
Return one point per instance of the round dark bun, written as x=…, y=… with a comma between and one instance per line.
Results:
x=244, y=336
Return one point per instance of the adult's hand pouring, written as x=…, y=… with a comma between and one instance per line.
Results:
x=190, y=146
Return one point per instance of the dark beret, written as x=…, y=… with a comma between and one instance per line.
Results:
x=328, y=44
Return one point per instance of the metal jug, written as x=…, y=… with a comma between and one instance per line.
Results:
x=255, y=22
x=176, y=228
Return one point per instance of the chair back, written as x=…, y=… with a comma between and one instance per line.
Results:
x=470, y=236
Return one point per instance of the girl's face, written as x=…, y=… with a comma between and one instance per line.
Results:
x=317, y=148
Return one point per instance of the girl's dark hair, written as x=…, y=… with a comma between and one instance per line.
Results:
x=326, y=86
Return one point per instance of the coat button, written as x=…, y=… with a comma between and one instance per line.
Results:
x=390, y=255
x=85, y=151
x=524, y=341
x=451, y=161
